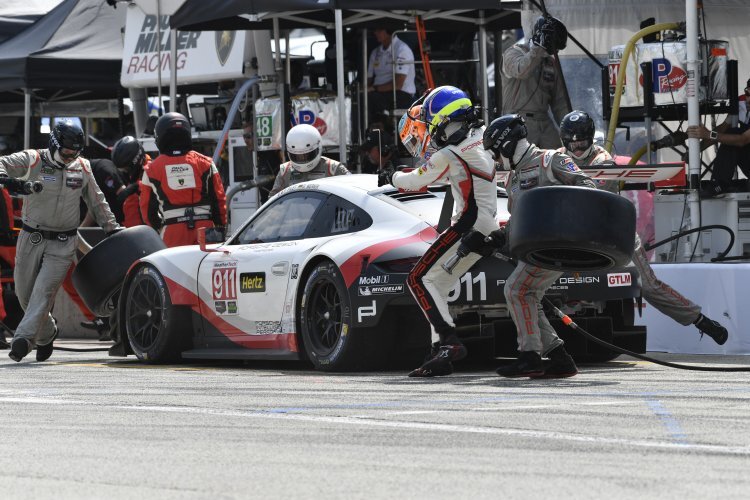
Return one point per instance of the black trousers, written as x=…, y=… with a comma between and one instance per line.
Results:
x=728, y=158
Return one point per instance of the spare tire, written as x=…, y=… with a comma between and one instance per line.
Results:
x=98, y=276
x=566, y=228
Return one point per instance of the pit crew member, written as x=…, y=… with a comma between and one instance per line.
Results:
x=506, y=139
x=181, y=190
x=46, y=245
x=577, y=135
x=304, y=146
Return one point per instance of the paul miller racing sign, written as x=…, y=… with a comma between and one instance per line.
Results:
x=201, y=56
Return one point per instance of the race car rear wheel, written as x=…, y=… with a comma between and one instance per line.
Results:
x=155, y=328
x=329, y=338
x=566, y=228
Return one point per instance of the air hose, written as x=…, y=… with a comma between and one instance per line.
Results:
x=568, y=321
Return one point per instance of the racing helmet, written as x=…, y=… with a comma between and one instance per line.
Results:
x=577, y=134
x=128, y=155
x=550, y=33
x=502, y=135
x=66, y=141
x=172, y=134
x=449, y=114
x=304, y=147
x=413, y=132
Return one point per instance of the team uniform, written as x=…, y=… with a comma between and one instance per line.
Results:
x=46, y=245
x=527, y=283
x=657, y=293
x=289, y=175
x=180, y=194
x=532, y=86
x=471, y=173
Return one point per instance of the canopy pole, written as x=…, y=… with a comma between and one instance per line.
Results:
x=340, y=86
x=693, y=105
x=363, y=81
x=27, y=118
x=158, y=53
x=483, y=67
x=173, y=70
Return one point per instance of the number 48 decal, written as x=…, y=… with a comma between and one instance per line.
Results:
x=224, y=283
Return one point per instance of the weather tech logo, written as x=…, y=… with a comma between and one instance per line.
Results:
x=252, y=282
x=224, y=43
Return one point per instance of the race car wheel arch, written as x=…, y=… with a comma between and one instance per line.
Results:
x=567, y=228
x=100, y=273
x=157, y=331
x=326, y=322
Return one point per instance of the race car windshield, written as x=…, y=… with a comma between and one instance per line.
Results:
x=301, y=158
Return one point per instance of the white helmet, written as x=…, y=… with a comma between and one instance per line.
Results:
x=304, y=147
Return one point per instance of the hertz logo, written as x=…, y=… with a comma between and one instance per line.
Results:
x=252, y=282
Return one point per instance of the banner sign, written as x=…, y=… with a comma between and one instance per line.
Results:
x=202, y=56
x=320, y=112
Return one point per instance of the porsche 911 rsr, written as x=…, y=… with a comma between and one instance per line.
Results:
x=319, y=273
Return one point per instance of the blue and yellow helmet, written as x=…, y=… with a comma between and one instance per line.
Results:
x=443, y=105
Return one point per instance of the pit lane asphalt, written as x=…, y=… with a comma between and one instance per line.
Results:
x=83, y=425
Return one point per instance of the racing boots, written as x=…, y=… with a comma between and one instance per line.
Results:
x=528, y=364
x=43, y=352
x=441, y=359
x=711, y=328
x=19, y=348
x=560, y=364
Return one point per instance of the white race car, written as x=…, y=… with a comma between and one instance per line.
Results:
x=319, y=273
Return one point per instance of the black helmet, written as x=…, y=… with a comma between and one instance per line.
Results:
x=66, y=135
x=128, y=154
x=503, y=134
x=577, y=133
x=172, y=134
x=550, y=33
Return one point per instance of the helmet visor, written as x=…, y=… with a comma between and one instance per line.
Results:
x=578, y=147
x=69, y=154
x=302, y=158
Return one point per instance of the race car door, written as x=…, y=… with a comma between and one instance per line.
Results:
x=243, y=288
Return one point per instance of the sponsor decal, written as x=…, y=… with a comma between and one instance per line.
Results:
x=570, y=166
x=49, y=178
x=180, y=176
x=619, y=279
x=374, y=280
x=579, y=280
x=231, y=307
x=267, y=327
x=252, y=282
x=381, y=289
x=48, y=170
x=471, y=146
x=295, y=271
x=224, y=281
x=666, y=77
x=220, y=306
x=74, y=181
x=366, y=311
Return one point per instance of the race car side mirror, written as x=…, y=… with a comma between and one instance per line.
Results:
x=209, y=235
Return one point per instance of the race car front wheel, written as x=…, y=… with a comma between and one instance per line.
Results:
x=153, y=325
x=330, y=341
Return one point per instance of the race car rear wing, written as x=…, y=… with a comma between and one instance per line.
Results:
x=662, y=174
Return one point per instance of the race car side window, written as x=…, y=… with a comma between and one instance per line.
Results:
x=286, y=219
x=339, y=216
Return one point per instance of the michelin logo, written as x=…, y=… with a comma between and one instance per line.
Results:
x=381, y=289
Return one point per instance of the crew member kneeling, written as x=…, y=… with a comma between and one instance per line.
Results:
x=181, y=189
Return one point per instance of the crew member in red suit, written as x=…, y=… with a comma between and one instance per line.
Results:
x=181, y=190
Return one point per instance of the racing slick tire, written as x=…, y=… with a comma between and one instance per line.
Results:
x=566, y=228
x=154, y=327
x=330, y=340
x=99, y=274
